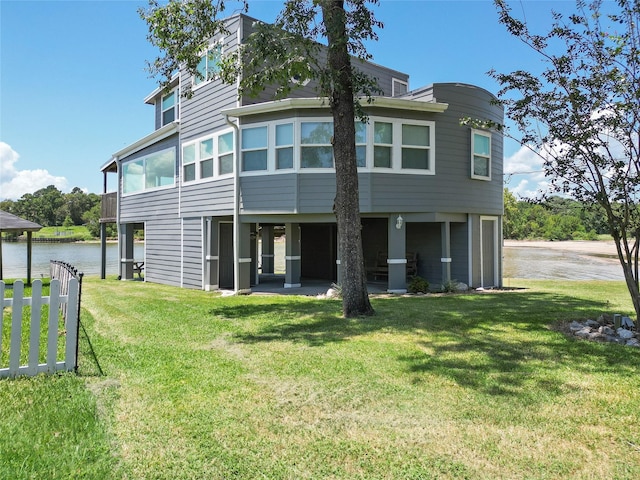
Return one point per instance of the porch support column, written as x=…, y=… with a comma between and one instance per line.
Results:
x=267, y=249
x=103, y=251
x=126, y=251
x=212, y=259
x=29, y=240
x=244, y=260
x=292, y=255
x=397, y=259
x=445, y=233
x=253, y=250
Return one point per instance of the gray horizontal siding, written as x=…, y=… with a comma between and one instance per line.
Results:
x=269, y=193
x=162, y=251
x=192, y=253
x=212, y=198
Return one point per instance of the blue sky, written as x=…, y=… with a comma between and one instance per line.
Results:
x=73, y=79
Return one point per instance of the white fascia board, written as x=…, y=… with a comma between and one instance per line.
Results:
x=149, y=98
x=160, y=134
x=323, y=103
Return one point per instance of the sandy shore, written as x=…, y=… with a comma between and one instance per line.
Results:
x=577, y=246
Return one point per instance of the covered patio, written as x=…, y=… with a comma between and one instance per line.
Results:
x=12, y=224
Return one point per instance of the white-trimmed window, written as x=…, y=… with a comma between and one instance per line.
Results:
x=209, y=66
x=225, y=153
x=382, y=144
x=361, y=144
x=480, y=155
x=153, y=171
x=208, y=157
x=169, y=107
x=189, y=162
x=284, y=146
x=316, y=150
x=254, y=149
x=416, y=147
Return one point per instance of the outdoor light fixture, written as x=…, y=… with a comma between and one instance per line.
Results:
x=399, y=222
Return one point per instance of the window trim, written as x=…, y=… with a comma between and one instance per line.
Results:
x=215, y=137
x=486, y=134
x=144, y=158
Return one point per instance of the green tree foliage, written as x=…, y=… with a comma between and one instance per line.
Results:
x=580, y=113
x=556, y=218
x=50, y=207
x=272, y=57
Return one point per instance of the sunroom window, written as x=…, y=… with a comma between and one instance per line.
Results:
x=481, y=155
x=316, y=150
x=361, y=144
x=189, y=162
x=149, y=172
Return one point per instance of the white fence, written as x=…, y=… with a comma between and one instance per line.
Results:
x=55, y=300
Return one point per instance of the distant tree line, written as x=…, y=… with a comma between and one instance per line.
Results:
x=50, y=207
x=554, y=218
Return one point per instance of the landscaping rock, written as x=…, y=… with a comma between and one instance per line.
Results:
x=575, y=326
x=633, y=342
x=603, y=331
x=626, y=334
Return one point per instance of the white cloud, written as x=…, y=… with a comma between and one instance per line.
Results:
x=524, y=174
x=14, y=183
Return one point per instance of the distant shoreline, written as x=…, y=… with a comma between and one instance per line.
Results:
x=589, y=247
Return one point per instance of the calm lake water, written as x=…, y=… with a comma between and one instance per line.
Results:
x=84, y=256
x=519, y=262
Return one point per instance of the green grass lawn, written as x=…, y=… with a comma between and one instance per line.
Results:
x=197, y=386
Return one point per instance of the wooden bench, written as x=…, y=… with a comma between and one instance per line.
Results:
x=381, y=268
x=138, y=267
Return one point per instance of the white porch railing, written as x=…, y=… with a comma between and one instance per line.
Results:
x=55, y=300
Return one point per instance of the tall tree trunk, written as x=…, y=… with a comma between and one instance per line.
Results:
x=355, y=299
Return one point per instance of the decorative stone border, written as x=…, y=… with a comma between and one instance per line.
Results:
x=603, y=330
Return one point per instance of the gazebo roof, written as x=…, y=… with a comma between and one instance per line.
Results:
x=11, y=223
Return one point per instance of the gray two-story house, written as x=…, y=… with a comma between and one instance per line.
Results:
x=220, y=174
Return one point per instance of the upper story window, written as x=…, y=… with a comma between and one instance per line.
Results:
x=150, y=172
x=208, y=157
x=480, y=155
x=254, y=149
x=316, y=150
x=416, y=146
x=209, y=65
x=284, y=146
x=382, y=144
x=169, y=107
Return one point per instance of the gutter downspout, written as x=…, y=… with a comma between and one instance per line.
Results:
x=236, y=206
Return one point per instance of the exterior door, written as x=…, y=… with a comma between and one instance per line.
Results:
x=489, y=248
x=226, y=255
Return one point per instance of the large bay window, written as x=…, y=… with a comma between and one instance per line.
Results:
x=153, y=171
x=480, y=155
x=208, y=157
x=305, y=145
